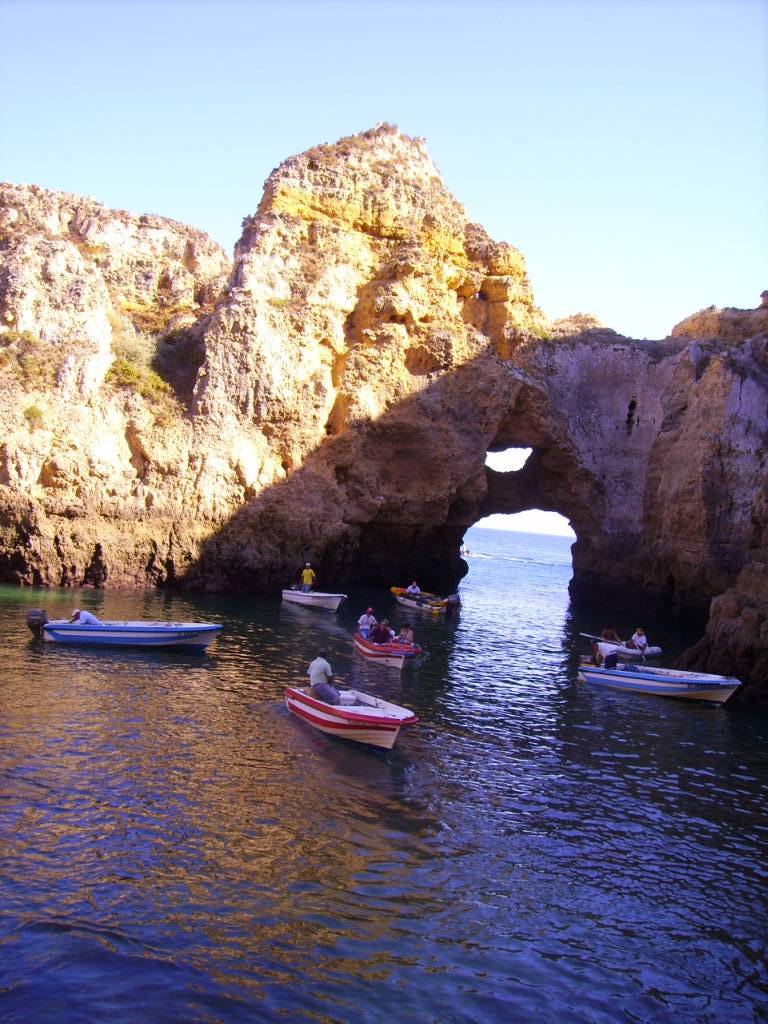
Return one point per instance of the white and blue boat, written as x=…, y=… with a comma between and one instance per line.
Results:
x=185, y=635
x=661, y=682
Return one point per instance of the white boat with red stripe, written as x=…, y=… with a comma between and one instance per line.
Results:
x=393, y=654
x=359, y=716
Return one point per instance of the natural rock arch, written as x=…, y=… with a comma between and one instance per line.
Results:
x=351, y=371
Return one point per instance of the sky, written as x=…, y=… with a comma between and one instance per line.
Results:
x=622, y=146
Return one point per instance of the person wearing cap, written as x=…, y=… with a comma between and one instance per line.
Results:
x=83, y=618
x=321, y=680
x=307, y=578
x=366, y=622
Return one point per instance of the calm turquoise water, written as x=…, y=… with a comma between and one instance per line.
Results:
x=175, y=847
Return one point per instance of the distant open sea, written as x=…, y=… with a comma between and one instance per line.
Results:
x=175, y=847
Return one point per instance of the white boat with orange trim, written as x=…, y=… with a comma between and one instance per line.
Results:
x=393, y=654
x=314, y=598
x=359, y=716
x=661, y=682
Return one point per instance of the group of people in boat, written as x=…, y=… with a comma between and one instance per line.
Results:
x=604, y=650
x=381, y=632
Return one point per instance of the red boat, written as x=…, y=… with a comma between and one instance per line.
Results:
x=358, y=717
x=393, y=653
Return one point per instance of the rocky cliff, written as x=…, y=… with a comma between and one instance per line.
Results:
x=173, y=419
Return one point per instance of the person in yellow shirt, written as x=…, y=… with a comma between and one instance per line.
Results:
x=307, y=578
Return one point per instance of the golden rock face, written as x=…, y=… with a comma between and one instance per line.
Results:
x=332, y=393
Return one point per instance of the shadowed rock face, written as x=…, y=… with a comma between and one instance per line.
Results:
x=331, y=396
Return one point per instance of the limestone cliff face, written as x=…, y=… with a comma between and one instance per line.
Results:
x=171, y=419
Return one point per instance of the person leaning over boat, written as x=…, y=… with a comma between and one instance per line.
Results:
x=413, y=589
x=321, y=680
x=83, y=618
x=307, y=578
x=366, y=622
x=605, y=654
x=638, y=640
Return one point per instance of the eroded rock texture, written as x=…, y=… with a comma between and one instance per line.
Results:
x=332, y=395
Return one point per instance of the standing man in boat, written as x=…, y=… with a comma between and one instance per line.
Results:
x=321, y=680
x=307, y=578
x=366, y=622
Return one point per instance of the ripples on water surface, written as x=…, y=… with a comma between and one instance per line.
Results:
x=176, y=847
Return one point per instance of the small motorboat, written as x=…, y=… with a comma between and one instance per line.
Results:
x=661, y=682
x=314, y=598
x=186, y=635
x=424, y=601
x=358, y=717
x=393, y=654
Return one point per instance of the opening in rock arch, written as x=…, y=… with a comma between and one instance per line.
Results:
x=533, y=520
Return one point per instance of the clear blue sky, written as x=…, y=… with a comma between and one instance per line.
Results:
x=622, y=146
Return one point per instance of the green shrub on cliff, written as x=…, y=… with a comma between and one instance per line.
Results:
x=152, y=318
x=141, y=379
x=33, y=414
x=29, y=359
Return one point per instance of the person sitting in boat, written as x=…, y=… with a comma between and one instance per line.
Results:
x=307, y=578
x=405, y=636
x=381, y=633
x=638, y=640
x=611, y=635
x=321, y=680
x=366, y=622
x=414, y=589
x=83, y=618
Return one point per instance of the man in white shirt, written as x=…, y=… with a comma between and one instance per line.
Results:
x=414, y=589
x=639, y=640
x=321, y=678
x=607, y=655
x=366, y=622
x=83, y=618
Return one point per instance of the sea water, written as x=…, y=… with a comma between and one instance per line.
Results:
x=174, y=846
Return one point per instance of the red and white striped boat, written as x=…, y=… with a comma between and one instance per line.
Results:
x=392, y=654
x=359, y=717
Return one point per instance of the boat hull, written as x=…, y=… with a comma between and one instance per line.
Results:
x=186, y=635
x=661, y=682
x=371, y=721
x=394, y=655
x=435, y=607
x=314, y=599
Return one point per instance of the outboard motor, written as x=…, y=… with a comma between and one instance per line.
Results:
x=36, y=619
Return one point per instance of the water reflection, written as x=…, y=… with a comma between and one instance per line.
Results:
x=173, y=837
